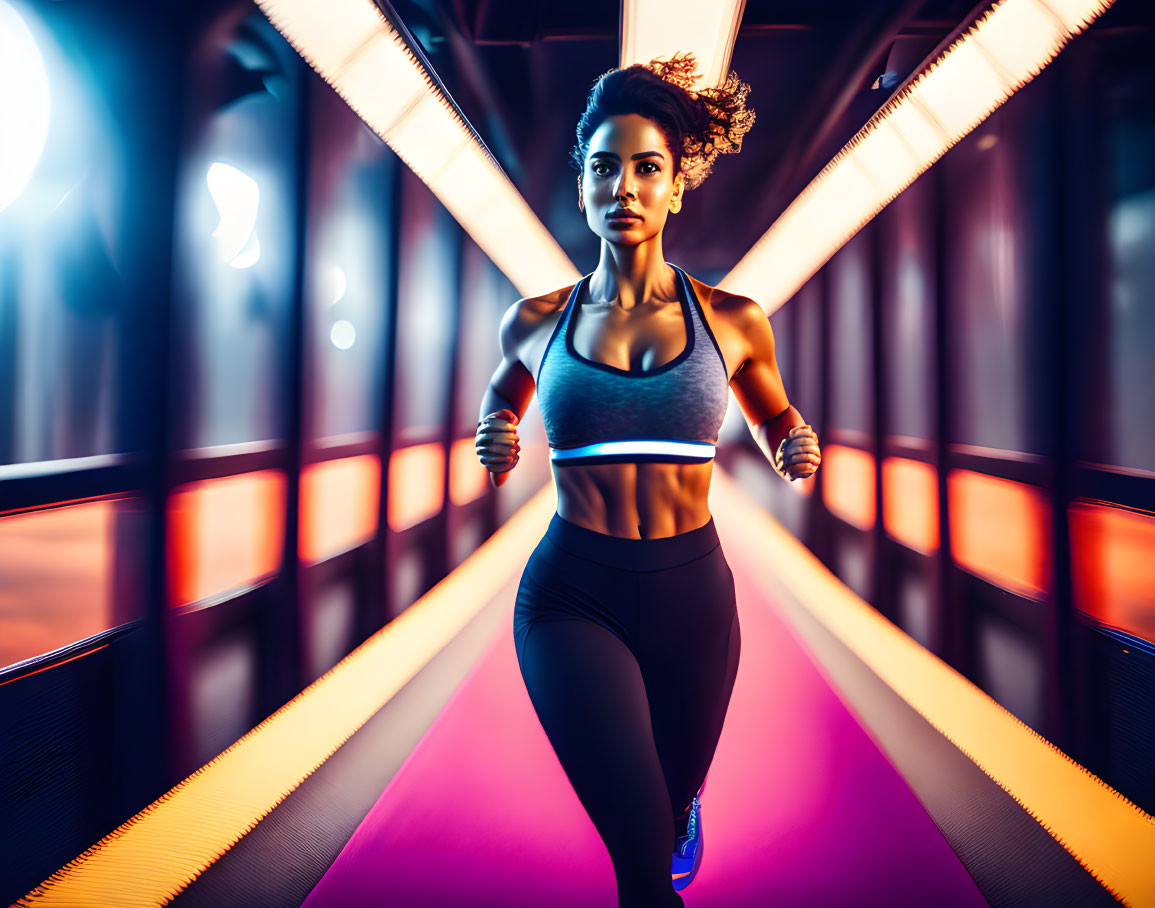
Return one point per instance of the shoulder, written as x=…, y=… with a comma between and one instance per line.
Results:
x=524, y=318
x=740, y=324
x=741, y=312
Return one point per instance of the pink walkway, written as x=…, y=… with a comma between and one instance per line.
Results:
x=800, y=807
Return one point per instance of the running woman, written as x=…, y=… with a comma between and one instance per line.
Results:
x=625, y=623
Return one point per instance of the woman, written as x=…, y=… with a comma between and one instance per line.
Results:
x=625, y=622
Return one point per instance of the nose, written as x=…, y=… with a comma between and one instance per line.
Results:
x=624, y=185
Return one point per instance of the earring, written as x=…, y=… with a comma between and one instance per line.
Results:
x=675, y=206
x=581, y=205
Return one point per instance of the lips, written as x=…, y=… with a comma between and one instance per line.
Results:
x=623, y=214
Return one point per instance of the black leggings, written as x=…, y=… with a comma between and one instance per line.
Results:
x=629, y=649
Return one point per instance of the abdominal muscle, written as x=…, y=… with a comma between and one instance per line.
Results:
x=635, y=500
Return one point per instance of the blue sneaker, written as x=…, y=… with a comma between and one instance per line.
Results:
x=688, y=850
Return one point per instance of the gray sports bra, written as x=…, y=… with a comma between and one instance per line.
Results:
x=597, y=413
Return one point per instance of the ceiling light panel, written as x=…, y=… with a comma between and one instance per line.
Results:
x=989, y=62
x=662, y=28
x=365, y=58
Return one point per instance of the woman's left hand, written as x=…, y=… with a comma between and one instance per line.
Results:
x=798, y=455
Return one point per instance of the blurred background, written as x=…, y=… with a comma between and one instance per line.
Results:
x=243, y=346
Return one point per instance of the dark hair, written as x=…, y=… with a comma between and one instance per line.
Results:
x=698, y=125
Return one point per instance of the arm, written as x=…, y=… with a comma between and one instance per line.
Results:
x=778, y=428
x=505, y=400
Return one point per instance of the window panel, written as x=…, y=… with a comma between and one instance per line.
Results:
x=81, y=190
x=428, y=309
x=1126, y=390
x=806, y=391
x=225, y=534
x=236, y=213
x=59, y=577
x=908, y=311
x=339, y=500
x=347, y=279
x=1112, y=570
x=486, y=294
x=851, y=359
x=991, y=330
x=1000, y=530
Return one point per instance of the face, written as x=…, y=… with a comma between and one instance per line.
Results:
x=629, y=166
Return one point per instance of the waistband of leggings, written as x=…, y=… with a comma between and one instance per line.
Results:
x=632, y=554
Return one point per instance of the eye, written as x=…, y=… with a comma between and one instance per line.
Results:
x=596, y=164
x=649, y=164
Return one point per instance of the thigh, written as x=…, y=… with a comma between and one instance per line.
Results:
x=689, y=653
x=575, y=624
x=557, y=584
x=587, y=690
x=583, y=679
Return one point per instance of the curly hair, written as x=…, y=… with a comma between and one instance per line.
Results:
x=697, y=125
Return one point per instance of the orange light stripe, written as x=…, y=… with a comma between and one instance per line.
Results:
x=339, y=500
x=225, y=533
x=910, y=502
x=416, y=484
x=848, y=484
x=1000, y=531
x=468, y=479
x=1113, y=566
x=56, y=577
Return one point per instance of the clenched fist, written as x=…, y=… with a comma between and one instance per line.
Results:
x=798, y=455
x=496, y=442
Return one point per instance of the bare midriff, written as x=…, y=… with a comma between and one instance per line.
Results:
x=639, y=500
x=635, y=500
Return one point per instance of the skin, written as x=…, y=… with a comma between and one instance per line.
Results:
x=632, y=320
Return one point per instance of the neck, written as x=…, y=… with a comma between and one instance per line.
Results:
x=628, y=276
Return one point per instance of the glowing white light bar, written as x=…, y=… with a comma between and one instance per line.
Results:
x=661, y=28
x=988, y=63
x=638, y=449
x=365, y=59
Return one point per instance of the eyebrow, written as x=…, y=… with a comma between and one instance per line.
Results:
x=640, y=154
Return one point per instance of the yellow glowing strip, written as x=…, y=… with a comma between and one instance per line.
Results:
x=358, y=52
x=661, y=28
x=157, y=853
x=992, y=60
x=1106, y=833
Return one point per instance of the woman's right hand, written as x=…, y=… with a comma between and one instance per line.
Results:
x=496, y=442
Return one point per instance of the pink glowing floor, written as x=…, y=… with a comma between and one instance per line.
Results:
x=800, y=807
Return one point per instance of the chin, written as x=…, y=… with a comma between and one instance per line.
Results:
x=627, y=238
